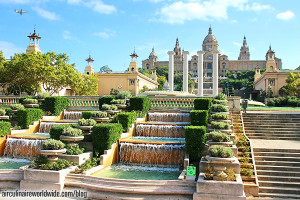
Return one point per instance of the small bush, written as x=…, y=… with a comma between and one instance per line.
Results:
x=209, y=173
x=202, y=103
x=221, y=96
x=218, y=137
x=109, y=107
x=219, y=108
x=86, y=114
x=86, y=122
x=195, y=138
x=105, y=100
x=123, y=95
x=30, y=101
x=89, y=164
x=57, y=165
x=2, y=112
x=56, y=131
x=219, y=125
x=140, y=104
x=219, y=116
x=94, y=114
x=53, y=145
x=74, y=150
x=104, y=135
x=56, y=104
x=74, y=132
x=199, y=117
x=39, y=161
x=221, y=102
x=7, y=109
x=4, y=128
x=118, y=101
x=43, y=95
x=220, y=151
x=17, y=107
x=21, y=99
x=246, y=172
x=27, y=116
x=126, y=119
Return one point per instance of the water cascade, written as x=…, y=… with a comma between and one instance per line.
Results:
x=46, y=126
x=72, y=115
x=24, y=148
x=169, y=117
x=151, y=130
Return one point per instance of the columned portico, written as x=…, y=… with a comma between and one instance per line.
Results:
x=171, y=70
x=185, y=71
x=200, y=73
x=215, y=73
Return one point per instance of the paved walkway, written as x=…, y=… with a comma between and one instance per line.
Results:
x=275, y=144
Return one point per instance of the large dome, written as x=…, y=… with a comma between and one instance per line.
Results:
x=210, y=42
x=210, y=37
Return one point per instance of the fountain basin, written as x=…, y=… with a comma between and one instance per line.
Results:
x=159, y=130
x=154, y=140
x=71, y=138
x=31, y=105
x=12, y=163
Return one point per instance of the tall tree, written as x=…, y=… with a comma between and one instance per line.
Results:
x=293, y=84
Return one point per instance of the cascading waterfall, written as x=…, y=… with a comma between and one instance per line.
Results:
x=151, y=130
x=22, y=148
x=169, y=117
x=72, y=115
x=46, y=126
x=152, y=154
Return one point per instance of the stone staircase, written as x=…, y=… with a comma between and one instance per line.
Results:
x=107, y=188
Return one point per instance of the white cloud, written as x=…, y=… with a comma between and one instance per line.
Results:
x=46, y=14
x=9, y=49
x=67, y=35
x=285, y=15
x=237, y=44
x=107, y=33
x=256, y=7
x=96, y=5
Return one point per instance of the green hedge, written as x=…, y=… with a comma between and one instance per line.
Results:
x=202, y=104
x=195, y=138
x=56, y=131
x=21, y=99
x=56, y=104
x=104, y=135
x=199, y=117
x=140, y=104
x=126, y=119
x=4, y=128
x=27, y=116
x=86, y=114
x=105, y=100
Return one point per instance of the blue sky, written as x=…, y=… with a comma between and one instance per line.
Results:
x=109, y=30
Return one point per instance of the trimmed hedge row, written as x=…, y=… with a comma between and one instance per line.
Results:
x=126, y=119
x=105, y=100
x=284, y=101
x=4, y=128
x=27, y=116
x=104, y=135
x=140, y=104
x=199, y=117
x=202, y=104
x=21, y=99
x=195, y=138
x=56, y=104
x=57, y=131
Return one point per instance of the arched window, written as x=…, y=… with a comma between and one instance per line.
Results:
x=195, y=67
x=209, y=65
x=271, y=68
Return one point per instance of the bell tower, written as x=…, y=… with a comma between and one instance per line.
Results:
x=133, y=67
x=33, y=43
x=271, y=63
x=89, y=69
x=244, y=52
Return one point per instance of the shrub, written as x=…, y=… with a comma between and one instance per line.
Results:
x=220, y=151
x=195, y=138
x=30, y=101
x=221, y=102
x=220, y=96
x=74, y=132
x=140, y=104
x=2, y=112
x=43, y=95
x=39, y=161
x=199, y=117
x=118, y=101
x=6, y=109
x=21, y=99
x=27, y=116
x=56, y=131
x=17, y=107
x=56, y=104
x=219, y=125
x=4, y=128
x=219, y=116
x=246, y=172
x=86, y=114
x=104, y=135
x=87, y=122
x=89, y=164
x=219, y=108
x=74, y=149
x=95, y=114
x=218, y=137
x=52, y=144
x=57, y=165
x=105, y=100
x=126, y=119
x=202, y=103
x=123, y=95
x=209, y=173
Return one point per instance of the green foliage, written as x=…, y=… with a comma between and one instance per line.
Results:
x=4, y=128
x=219, y=116
x=140, y=104
x=6, y=109
x=109, y=107
x=202, y=103
x=16, y=106
x=195, y=138
x=220, y=151
x=219, y=108
x=209, y=173
x=22, y=99
x=86, y=114
x=74, y=150
x=27, y=116
x=52, y=144
x=246, y=172
x=199, y=117
x=74, y=132
x=89, y=164
x=222, y=102
x=56, y=131
x=218, y=137
x=86, y=122
x=39, y=161
x=118, y=101
x=30, y=101
x=105, y=100
x=293, y=84
x=284, y=101
x=220, y=96
x=2, y=112
x=57, y=165
x=100, y=114
x=126, y=119
x=104, y=135
x=56, y=104
x=123, y=95
x=43, y=95
x=219, y=125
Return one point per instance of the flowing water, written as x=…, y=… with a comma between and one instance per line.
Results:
x=12, y=163
x=74, y=115
x=143, y=139
x=169, y=117
x=22, y=148
x=46, y=126
x=151, y=130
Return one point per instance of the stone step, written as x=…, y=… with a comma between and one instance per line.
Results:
x=274, y=158
x=278, y=178
x=278, y=131
x=277, y=154
x=277, y=168
x=273, y=138
x=276, y=150
x=273, y=135
x=271, y=128
x=278, y=196
x=275, y=125
x=277, y=173
x=280, y=190
x=279, y=184
x=277, y=163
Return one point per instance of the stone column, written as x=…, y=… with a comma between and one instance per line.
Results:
x=200, y=73
x=215, y=73
x=185, y=71
x=171, y=70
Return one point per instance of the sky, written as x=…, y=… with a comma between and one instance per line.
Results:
x=109, y=31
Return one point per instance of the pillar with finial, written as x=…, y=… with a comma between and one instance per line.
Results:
x=133, y=67
x=89, y=69
x=33, y=43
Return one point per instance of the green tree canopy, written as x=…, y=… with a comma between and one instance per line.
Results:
x=293, y=84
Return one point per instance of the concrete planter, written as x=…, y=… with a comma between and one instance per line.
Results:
x=31, y=105
x=227, y=144
x=85, y=128
x=220, y=163
x=101, y=119
x=219, y=160
x=80, y=159
x=4, y=117
x=71, y=138
x=121, y=106
x=52, y=154
x=112, y=112
x=228, y=131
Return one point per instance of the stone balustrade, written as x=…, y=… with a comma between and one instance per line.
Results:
x=7, y=100
x=186, y=103
x=84, y=101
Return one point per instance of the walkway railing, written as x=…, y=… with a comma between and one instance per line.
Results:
x=84, y=101
x=6, y=100
x=186, y=103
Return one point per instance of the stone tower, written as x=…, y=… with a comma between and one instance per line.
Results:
x=271, y=63
x=33, y=43
x=210, y=42
x=89, y=69
x=177, y=50
x=133, y=67
x=244, y=52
